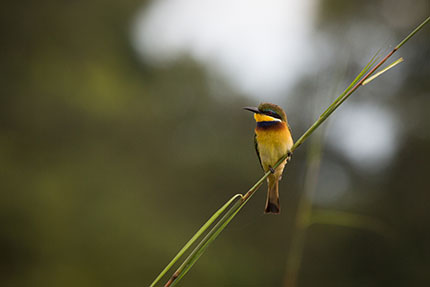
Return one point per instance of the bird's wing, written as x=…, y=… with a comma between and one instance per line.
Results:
x=289, y=128
x=256, y=149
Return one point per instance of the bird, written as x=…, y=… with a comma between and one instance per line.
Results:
x=272, y=140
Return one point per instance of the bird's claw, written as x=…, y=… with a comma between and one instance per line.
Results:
x=289, y=154
x=272, y=170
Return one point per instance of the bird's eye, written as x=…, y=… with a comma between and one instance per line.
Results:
x=273, y=114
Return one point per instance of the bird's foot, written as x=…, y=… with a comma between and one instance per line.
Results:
x=272, y=170
x=289, y=154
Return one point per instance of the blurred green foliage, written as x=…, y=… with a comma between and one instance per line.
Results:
x=109, y=165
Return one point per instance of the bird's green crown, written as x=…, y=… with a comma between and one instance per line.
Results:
x=273, y=111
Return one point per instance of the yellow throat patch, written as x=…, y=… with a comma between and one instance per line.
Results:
x=265, y=118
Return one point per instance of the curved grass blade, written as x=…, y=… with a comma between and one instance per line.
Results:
x=194, y=238
x=213, y=234
x=398, y=61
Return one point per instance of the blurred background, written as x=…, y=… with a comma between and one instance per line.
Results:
x=121, y=132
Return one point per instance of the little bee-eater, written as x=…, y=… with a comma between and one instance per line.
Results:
x=272, y=141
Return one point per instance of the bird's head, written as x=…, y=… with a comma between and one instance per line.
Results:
x=267, y=112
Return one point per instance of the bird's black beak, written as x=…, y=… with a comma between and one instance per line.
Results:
x=252, y=109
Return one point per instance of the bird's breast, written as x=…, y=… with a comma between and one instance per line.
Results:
x=273, y=140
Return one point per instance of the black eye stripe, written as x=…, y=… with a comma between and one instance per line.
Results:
x=272, y=114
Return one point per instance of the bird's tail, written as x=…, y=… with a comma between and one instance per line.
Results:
x=272, y=201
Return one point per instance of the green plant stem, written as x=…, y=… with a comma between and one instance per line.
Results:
x=216, y=230
x=368, y=80
x=212, y=234
x=332, y=107
x=413, y=33
x=195, y=237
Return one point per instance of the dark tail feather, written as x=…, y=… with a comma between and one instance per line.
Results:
x=272, y=202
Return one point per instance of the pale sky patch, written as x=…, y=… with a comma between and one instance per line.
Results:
x=261, y=47
x=366, y=134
